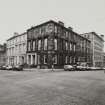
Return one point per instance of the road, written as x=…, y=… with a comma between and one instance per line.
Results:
x=52, y=88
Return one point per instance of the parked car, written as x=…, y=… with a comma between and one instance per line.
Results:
x=81, y=68
x=18, y=68
x=88, y=68
x=93, y=68
x=68, y=68
x=3, y=67
x=96, y=68
x=9, y=67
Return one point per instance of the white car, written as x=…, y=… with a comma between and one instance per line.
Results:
x=93, y=68
x=68, y=67
x=9, y=67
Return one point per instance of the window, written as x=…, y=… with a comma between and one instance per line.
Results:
x=24, y=47
x=74, y=47
x=38, y=59
x=70, y=60
x=43, y=30
x=19, y=47
x=55, y=29
x=45, y=59
x=74, y=60
x=70, y=47
x=55, y=59
x=29, y=46
x=29, y=59
x=39, y=44
x=66, y=34
x=55, y=44
x=66, y=46
x=34, y=45
x=45, y=44
x=66, y=59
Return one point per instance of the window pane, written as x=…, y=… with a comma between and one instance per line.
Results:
x=66, y=46
x=55, y=44
x=39, y=44
x=45, y=44
x=45, y=59
x=55, y=59
x=33, y=45
x=29, y=45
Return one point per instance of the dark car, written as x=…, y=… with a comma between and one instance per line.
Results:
x=18, y=68
x=3, y=67
x=81, y=68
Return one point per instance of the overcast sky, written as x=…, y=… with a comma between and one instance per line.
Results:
x=19, y=15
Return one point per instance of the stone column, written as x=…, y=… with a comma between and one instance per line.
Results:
x=35, y=59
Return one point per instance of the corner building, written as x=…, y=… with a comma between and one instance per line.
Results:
x=52, y=43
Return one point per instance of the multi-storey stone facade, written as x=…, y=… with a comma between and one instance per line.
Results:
x=2, y=54
x=52, y=43
x=97, y=48
x=16, y=49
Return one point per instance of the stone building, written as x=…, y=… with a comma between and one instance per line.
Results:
x=16, y=49
x=2, y=54
x=97, y=48
x=52, y=43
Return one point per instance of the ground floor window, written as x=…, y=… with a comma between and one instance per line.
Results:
x=33, y=59
x=70, y=60
x=74, y=60
x=66, y=59
x=29, y=59
x=55, y=59
x=45, y=59
x=38, y=59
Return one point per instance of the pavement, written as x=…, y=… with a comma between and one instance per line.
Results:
x=52, y=88
x=41, y=70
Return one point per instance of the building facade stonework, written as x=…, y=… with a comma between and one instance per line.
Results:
x=52, y=43
x=97, y=48
x=16, y=49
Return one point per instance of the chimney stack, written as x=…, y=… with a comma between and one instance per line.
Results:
x=16, y=34
x=70, y=28
x=61, y=23
x=102, y=36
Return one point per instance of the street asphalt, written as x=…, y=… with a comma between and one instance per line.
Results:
x=52, y=88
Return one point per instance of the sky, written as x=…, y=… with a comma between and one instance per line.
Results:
x=82, y=15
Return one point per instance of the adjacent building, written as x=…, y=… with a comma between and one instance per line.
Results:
x=97, y=47
x=16, y=49
x=104, y=59
x=2, y=54
x=52, y=43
